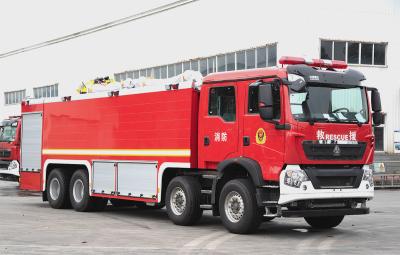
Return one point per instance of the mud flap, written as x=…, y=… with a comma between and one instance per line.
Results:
x=29, y=181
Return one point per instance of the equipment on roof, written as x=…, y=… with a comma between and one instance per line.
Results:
x=188, y=78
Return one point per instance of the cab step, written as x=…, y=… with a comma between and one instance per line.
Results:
x=206, y=207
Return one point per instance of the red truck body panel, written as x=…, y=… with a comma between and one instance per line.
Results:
x=160, y=126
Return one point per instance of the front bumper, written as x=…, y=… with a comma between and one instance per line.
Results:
x=324, y=212
x=307, y=191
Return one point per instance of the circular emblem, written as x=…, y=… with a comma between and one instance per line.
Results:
x=260, y=136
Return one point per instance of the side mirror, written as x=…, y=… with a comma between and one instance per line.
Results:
x=378, y=118
x=376, y=101
x=265, y=101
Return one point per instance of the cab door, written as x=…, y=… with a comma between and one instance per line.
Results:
x=218, y=124
x=263, y=141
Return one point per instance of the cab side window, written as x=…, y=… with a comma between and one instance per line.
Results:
x=222, y=103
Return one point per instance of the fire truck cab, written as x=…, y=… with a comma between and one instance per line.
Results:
x=249, y=145
x=10, y=146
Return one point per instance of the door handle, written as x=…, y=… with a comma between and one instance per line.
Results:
x=206, y=141
x=246, y=141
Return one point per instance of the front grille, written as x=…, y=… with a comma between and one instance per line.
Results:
x=4, y=164
x=339, y=178
x=5, y=153
x=329, y=182
x=318, y=151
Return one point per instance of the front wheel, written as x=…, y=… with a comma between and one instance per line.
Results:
x=238, y=207
x=324, y=222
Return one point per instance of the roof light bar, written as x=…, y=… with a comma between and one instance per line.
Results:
x=322, y=63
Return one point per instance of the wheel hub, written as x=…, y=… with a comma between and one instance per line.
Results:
x=234, y=206
x=78, y=190
x=178, y=201
x=55, y=189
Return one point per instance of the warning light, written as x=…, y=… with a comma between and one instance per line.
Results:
x=322, y=63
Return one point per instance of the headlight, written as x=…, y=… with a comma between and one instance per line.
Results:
x=294, y=178
x=368, y=175
x=13, y=165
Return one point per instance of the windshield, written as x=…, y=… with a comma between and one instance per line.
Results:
x=8, y=132
x=329, y=104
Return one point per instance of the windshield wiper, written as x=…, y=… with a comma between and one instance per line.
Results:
x=312, y=120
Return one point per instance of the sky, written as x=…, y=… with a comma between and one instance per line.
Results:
x=151, y=41
x=25, y=22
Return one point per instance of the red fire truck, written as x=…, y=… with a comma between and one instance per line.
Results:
x=10, y=146
x=249, y=145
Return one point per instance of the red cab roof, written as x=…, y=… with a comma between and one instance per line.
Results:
x=245, y=74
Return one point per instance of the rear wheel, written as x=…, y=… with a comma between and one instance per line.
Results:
x=79, y=194
x=324, y=222
x=57, y=189
x=238, y=207
x=183, y=200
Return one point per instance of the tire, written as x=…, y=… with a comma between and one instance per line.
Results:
x=79, y=194
x=57, y=189
x=183, y=200
x=324, y=222
x=238, y=207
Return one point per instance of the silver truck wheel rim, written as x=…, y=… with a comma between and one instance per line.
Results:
x=178, y=201
x=234, y=206
x=77, y=190
x=55, y=189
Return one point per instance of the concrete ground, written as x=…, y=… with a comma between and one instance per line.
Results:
x=30, y=226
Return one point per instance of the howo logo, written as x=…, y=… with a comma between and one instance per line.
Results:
x=336, y=150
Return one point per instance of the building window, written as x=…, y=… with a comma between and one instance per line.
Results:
x=163, y=72
x=186, y=65
x=250, y=59
x=211, y=65
x=130, y=75
x=171, y=71
x=14, y=97
x=194, y=65
x=178, y=68
x=203, y=66
x=149, y=72
x=117, y=77
x=240, y=60
x=258, y=57
x=272, y=55
x=340, y=51
x=221, y=63
x=46, y=91
x=230, y=62
x=261, y=57
x=358, y=53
